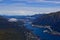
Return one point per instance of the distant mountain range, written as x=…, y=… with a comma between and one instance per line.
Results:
x=14, y=30
x=52, y=19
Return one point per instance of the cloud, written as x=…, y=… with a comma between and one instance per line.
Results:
x=52, y=1
x=31, y=1
x=12, y=20
x=27, y=0
x=30, y=8
x=18, y=12
x=38, y=1
x=26, y=10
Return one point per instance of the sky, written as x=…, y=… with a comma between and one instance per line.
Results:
x=28, y=7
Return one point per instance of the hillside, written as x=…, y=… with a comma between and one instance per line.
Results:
x=51, y=19
x=14, y=30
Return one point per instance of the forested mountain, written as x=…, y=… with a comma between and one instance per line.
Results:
x=10, y=29
x=51, y=19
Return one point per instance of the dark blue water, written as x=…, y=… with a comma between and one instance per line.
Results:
x=39, y=32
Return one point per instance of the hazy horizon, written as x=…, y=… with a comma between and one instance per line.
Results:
x=28, y=7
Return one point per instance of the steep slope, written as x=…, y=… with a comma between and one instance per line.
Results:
x=51, y=19
x=14, y=30
x=11, y=30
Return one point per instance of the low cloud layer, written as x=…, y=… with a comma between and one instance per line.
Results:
x=26, y=10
